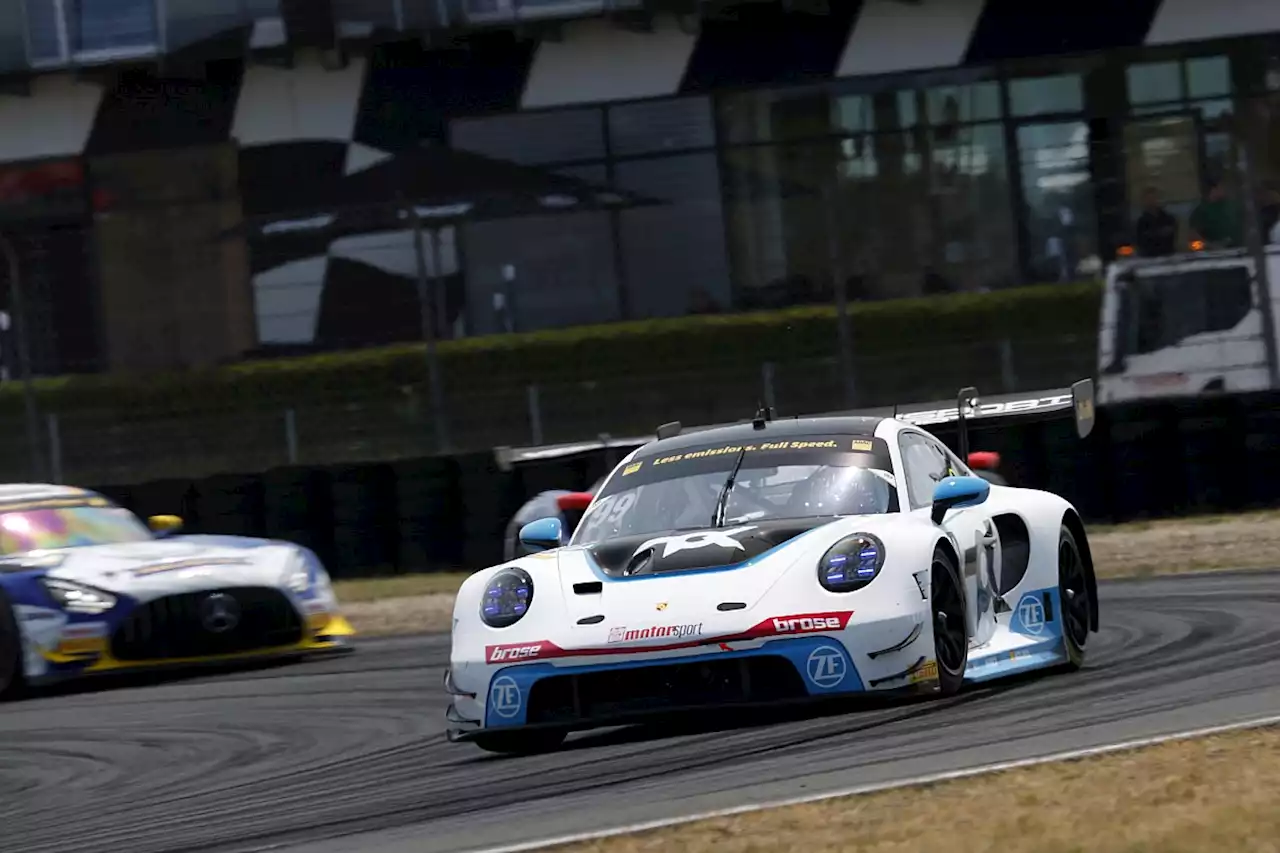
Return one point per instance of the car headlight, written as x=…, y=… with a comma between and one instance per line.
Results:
x=305, y=572
x=507, y=597
x=77, y=598
x=851, y=563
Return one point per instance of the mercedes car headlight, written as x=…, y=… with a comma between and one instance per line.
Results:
x=77, y=597
x=851, y=563
x=305, y=572
x=507, y=597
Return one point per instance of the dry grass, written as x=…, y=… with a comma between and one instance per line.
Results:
x=1198, y=796
x=1247, y=541
x=417, y=603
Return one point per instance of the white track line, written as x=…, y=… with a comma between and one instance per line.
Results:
x=885, y=786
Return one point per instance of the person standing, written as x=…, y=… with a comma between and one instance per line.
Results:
x=1216, y=220
x=1156, y=231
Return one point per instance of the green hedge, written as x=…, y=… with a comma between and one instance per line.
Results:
x=590, y=352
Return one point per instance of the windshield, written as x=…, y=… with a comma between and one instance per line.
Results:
x=802, y=478
x=68, y=527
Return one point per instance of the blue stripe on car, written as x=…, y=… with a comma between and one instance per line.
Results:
x=733, y=567
x=824, y=666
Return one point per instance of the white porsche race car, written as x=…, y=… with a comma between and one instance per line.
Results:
x=774, y=561
x=86, y=587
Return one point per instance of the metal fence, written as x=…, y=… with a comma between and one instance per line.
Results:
x=105, y=448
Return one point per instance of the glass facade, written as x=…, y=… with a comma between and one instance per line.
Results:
x=947, y=181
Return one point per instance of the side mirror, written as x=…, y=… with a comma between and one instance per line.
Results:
x=543, y=534
x=574, y=501
x=164, y=525
x=957, y=492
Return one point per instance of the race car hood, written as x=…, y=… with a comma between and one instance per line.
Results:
x=159, y=567
x=690, y=550
x=737, y=565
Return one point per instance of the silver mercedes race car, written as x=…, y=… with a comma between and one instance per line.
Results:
x=87, y=587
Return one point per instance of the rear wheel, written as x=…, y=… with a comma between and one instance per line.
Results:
x=950, y=635
x=1073, y=592
x=520, y=743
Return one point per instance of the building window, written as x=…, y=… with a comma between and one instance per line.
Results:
x=1038, y=96
x=920, y=193
x=62, y=31
x=1057, y=196
x=1178, y=137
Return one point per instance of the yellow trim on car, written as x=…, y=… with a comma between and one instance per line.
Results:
x=326, y=632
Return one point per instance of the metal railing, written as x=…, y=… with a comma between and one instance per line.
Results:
x=114, y=447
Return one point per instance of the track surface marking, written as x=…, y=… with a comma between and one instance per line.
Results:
x=348, y=754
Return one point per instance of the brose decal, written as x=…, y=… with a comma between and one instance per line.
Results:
x=804, y=623
x=500, y=654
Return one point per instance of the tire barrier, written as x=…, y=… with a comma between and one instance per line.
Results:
x=1211, y=454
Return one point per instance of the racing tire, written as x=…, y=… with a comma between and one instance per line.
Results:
x=520, y=743
x=950, y=628
x=11, y=678
x=1073, y=597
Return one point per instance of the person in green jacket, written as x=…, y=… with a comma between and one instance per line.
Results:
x=1216, y=220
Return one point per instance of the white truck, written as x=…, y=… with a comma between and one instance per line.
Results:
x=1188, y=324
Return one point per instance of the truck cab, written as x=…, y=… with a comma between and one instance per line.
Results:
x=1186, y=324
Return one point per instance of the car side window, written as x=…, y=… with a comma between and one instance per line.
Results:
x=925, y=466
x=955, y=468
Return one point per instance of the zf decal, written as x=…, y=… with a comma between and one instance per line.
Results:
x=1031, y=614
x=826, y=667
x=504, y=697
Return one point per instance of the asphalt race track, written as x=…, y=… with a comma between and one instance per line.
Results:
x=286, y=757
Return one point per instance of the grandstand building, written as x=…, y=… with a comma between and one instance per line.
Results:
x=904, y=147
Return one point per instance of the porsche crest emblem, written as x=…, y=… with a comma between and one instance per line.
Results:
x=661, y=605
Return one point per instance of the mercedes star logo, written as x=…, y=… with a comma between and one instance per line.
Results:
x=219, y=613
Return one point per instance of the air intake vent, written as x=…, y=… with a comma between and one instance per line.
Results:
x=588, y=588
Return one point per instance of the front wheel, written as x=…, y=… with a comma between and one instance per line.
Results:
x=11, y=680
x=1073, y=592
x=950, y=634
x=520, y=743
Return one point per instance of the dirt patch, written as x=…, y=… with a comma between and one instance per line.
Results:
x=415, y=614
x=1189, y=797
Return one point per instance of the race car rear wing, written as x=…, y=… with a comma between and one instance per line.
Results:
x=1076, y=401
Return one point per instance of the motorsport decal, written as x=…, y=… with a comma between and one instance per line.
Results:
x=191, y=563
x=778, y=626
x=678, y=632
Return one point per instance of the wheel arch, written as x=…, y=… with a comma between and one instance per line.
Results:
x=1071, y=520
x=947, y=545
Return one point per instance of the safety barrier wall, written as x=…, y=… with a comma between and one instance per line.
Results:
x=1213, y=454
